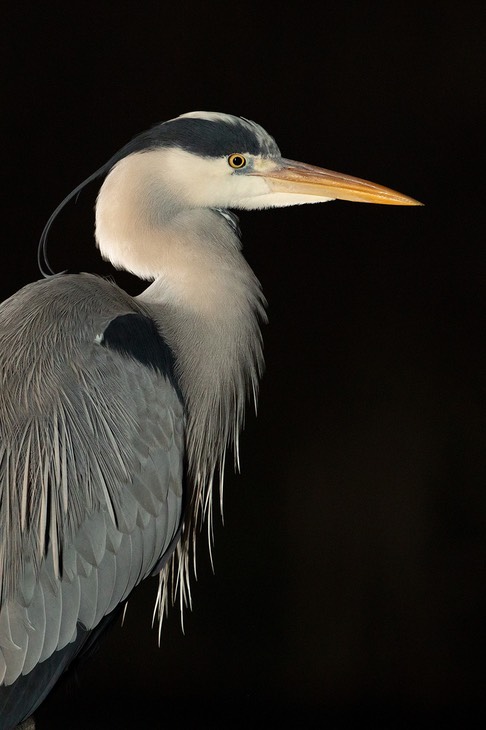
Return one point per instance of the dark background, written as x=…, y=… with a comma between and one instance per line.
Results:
x=349, y=583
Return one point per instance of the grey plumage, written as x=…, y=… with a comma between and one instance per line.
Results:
x=97, y=441
x=116, y=413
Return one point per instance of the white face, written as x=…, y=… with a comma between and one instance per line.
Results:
x=207, y=182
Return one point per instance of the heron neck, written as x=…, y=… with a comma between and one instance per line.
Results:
x=213, y=330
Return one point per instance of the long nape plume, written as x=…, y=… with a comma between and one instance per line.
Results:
x=42, y=258
x=141, y=142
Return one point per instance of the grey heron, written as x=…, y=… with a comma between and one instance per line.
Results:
x=116, y=412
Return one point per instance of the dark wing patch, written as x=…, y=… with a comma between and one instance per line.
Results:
x=135, y=335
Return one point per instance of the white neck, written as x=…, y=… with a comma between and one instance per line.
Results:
x=205, y=298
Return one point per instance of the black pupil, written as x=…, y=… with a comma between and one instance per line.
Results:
x=238, y=161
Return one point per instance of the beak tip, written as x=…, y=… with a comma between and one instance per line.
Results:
x=412, y=201
x=386, y=196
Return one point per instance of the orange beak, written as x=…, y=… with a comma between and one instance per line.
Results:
x=302, y=179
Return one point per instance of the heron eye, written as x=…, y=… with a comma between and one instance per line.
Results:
x=236, y=161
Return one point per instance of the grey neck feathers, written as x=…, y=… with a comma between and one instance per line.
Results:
x=215, y=336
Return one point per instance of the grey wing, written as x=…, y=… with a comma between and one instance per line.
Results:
x=91, y=486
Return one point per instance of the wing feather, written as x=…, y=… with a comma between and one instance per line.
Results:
x=71, y=602
x=90, y=542
x=106, y=584
x=114, y=536
x=123, y=558
x=53, y=610
x=3, y=667
x=89, y=599
x=36, y=614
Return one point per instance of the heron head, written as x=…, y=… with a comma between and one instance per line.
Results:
x=210, y=159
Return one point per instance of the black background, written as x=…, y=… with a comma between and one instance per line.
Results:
x=349, y=575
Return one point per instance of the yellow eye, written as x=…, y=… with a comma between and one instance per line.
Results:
x=236, y=161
